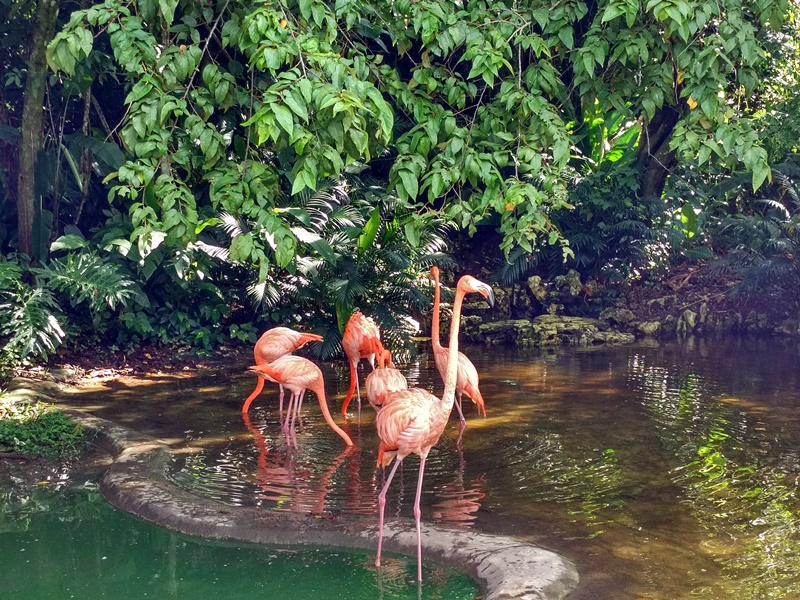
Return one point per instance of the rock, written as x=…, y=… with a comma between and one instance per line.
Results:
x=537, y=288
x=569, y=285
x=617, y=316
x=704, y=312
x=686, y=322
x=788, y=327
x=574, y=281
x=649, y=327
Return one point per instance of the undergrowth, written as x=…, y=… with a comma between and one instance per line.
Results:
x=38, y=429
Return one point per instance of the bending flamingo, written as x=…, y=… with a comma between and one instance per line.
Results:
x=412, y=420
x=383, y=380
x=467, y=378
x=361, y=339
x=298, y=374
x=274, y=343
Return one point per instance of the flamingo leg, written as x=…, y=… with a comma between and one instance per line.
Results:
x=458, y=406
x=418, y=515
x=280, y=401
x=297, y=409
x=381, y=506
x=358, y=393
x=462, y=426
x=285, y=420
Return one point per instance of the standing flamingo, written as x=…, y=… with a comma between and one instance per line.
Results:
x=274, y=343
x=383, y=380
x=298, y=374
x=413, y=420
x=467, y=379
x=361, y=339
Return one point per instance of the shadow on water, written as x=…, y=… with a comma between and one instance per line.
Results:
x=664, y=471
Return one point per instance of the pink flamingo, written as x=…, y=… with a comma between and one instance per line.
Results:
x=413, y=420
x=467, y=378
x=274, y=343
x=383, y=380
x=361, y=339
x=298, y=374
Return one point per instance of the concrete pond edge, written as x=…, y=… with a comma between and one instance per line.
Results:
x=136, y=482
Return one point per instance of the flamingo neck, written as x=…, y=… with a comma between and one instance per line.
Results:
x=435, y=318
x=452, y=355
x=319, y=390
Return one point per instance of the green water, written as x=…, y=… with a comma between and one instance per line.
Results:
x=72, y=544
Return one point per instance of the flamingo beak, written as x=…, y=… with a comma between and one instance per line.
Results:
x=488, y=294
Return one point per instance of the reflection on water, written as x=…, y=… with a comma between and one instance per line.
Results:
x=74, y=545
x=664, y=471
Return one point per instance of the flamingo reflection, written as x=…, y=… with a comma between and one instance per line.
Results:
x=291, y=484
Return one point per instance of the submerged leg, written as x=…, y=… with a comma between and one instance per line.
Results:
x=381, y=506
x=418, y=516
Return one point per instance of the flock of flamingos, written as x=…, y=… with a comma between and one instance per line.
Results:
x=409, y=420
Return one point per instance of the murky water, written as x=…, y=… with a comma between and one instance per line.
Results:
x=663, y=471
x=75, y=545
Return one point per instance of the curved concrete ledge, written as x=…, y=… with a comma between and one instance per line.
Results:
x=136, y=483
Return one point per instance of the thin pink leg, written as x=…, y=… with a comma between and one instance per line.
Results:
x=418, y=516
x=298, y=407
x=280, y=401
x=458, y=406
x=461, y=427
x=381, y=506
x=285, y=420
x=358, y=394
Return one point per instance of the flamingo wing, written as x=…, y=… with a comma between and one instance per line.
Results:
x=280, y=341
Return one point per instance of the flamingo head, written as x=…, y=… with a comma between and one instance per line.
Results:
x=468, y=284
x=386, y=359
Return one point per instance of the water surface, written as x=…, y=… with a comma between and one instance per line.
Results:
x=663, y=471
x=74, y=545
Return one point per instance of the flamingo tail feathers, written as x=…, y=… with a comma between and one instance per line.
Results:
x=475, y=394
x=310, y=337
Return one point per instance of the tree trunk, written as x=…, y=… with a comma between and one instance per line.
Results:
x=654, y=157
x=32, y=112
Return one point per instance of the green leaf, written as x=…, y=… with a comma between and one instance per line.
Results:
x=612, y=12
x=410, y=183
x=412, y=234
x=285, y=247
x=167, y=8
x=284, y=117
x=761, y=170
x=241, y=247
x=325, y=251
x=366, y=239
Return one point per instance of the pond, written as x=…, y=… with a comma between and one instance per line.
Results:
x=75, y=545
x=663, y=470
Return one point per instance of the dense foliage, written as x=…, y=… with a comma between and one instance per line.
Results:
x=312, y=155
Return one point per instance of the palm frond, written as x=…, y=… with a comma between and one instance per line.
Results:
x=89, y=278
x=31, y=322
x=233, y=226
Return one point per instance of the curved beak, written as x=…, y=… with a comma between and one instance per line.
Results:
x=489, y=295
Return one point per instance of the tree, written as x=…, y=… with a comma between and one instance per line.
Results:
x=475, y=108
x=31, y=143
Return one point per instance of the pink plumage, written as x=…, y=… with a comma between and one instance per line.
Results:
x=413, y=420
x=274, y=343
